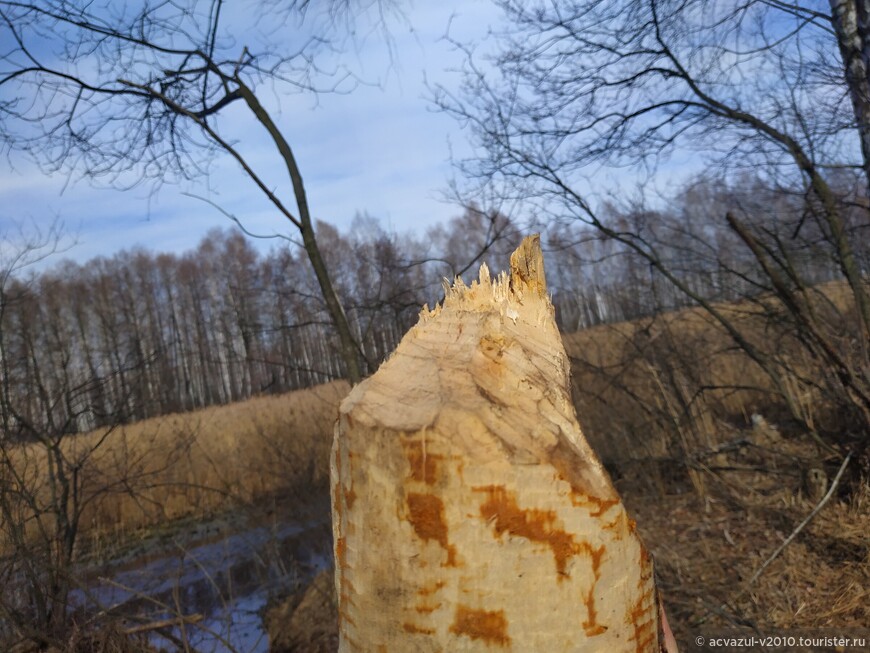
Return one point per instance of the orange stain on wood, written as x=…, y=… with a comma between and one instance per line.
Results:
x=338, y=509
x=344, y=600
x=428, y=591
x=489, y=626
x=349, y=497
x=591, y=625
x=643, y=624
x=424, y=465
x=643, y=615
x=426, y=514
x=536, y=525
x=414, y=629
x=597, y=507
x=502, y=510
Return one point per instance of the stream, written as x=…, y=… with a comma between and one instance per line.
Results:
x=222, y=573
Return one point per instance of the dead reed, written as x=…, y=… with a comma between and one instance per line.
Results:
x=190, y=465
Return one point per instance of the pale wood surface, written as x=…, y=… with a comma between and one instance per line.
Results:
x=470, y=514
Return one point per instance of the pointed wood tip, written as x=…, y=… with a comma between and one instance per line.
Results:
x=525, y=284
x=527, y=267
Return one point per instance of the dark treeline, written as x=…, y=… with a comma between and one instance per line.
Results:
x=142, y=334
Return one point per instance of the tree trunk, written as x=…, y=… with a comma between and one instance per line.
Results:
x=469, y=512
x=309, y=240
x=851, y=21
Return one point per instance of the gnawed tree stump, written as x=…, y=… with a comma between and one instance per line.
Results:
x=470, y=514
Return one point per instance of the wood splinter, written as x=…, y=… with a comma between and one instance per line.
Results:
x=469, y=512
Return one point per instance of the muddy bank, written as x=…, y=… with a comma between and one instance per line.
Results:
x=307, y=620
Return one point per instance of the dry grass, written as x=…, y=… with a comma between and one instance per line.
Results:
x=194, y=464
x=707, y=550
x=675, y=384
x=662, y=389
x=667, y=403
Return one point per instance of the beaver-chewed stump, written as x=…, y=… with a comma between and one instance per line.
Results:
x=469, y=512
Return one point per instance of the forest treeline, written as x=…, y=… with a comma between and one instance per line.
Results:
x=141, y=333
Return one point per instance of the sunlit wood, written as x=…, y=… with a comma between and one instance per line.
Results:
x=469, y=511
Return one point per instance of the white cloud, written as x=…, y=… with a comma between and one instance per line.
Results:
x=379, y=150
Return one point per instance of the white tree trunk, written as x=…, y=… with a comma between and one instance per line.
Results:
x=469, y=512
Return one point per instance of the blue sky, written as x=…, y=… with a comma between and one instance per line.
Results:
x=380, y=150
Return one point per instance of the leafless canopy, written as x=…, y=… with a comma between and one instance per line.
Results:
x=150, y=93
x=111, y=88
x=627, y=83
x=572, y=91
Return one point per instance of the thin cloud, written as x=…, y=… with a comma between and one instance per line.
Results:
x=380, y=150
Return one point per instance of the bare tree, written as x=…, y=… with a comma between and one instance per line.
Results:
x=779, y=88
x=40, y=498
x=130, y=95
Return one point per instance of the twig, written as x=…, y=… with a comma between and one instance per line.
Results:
x=163, y=623
x=238, y=222
x=782, y=546
x=806, y=521
x=731, y=445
